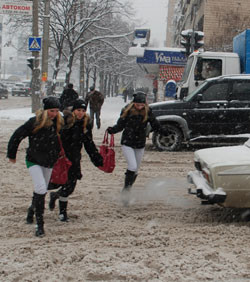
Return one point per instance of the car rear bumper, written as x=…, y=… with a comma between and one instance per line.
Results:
x=203, y=190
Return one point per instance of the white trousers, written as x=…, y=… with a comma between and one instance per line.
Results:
x=40, y=176
x=133, y=157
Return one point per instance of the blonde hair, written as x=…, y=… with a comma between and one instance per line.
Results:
x=42, y=120
x=85, y=121
x=131, y=106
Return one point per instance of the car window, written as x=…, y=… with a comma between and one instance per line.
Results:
x=217, y=91
x=207, y=68
x=241, y=90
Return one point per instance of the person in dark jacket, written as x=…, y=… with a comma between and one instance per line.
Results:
x=76, y=132
x=68, y=97
x=95, y=100
x=133, y=122
x=41, y=155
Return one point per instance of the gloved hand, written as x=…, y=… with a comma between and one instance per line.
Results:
x=97, y=160
x=110, y=130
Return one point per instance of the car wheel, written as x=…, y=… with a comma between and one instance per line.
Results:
x=170, y=142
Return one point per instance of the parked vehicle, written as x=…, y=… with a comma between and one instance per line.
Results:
x=218, y=107
x=3, y=91
x=27, y=85
x=19, y=89
x=222, y=176
x=203, y=65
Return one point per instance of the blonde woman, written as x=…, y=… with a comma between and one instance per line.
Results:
x=133, y=122
x=41, y=154
x=76, y=133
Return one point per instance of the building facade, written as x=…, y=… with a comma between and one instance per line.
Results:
x=219, y=20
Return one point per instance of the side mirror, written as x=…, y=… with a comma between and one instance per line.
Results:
x=199, y=98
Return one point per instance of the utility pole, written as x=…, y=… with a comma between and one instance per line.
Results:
x=35, y=82
x=81, y=76
x=45, y=46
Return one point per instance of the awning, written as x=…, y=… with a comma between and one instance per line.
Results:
x=170, y=72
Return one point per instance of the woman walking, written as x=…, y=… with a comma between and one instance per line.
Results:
x=76, y=133
x=41, y=154
x=133, y=122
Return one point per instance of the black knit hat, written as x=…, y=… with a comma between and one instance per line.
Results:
x=139, y=97
x=79, y=104
x=51, y=103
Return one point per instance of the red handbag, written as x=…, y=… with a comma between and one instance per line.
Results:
x=108, y=153
x=61, y=167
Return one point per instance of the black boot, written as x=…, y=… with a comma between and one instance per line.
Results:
x=135, y=176
x=129, y=180
x=39, y=201
x=130, y=177
x=31, y=212
x=63, y=210
x=52, y=202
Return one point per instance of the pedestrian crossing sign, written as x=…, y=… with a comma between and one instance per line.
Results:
x=35, y=43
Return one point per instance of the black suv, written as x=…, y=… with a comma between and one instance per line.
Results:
x=219, y=106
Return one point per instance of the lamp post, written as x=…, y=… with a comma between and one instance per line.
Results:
x=45, y=46
x=35, y=82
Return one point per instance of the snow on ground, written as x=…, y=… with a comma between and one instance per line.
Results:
x=164, y=235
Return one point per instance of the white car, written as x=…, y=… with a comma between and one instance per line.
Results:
x=222, y=176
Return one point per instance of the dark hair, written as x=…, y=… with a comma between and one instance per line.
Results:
x=70, y=85
x=91, y=88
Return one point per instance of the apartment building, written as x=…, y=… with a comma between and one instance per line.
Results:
x=219, y=20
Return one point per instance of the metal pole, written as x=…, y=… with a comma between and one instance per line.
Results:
x=35, y=83
x=81, y=76
x=45, y=46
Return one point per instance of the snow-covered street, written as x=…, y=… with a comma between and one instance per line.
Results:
x=164, y=235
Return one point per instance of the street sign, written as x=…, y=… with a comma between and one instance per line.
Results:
x=16, y=7
x=35, y=43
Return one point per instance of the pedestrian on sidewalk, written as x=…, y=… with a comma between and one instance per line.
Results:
x=133, y=122
x=42, y=153
x=95, y=100
x=75, y=133
x=68, y=97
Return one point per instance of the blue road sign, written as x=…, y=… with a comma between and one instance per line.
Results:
x=35, y=43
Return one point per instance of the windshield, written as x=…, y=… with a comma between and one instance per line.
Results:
x=187, y=69
x=196, y=91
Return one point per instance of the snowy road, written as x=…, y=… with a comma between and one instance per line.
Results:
x=164, y=235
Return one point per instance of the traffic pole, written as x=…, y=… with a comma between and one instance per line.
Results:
x=35, y=82
x=45, y=47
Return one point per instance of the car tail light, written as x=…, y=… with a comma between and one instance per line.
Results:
x=206, y=174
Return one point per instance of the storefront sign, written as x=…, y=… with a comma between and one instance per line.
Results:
x=16, y=7
x=175, y=58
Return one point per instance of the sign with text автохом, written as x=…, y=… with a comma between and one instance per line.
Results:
x=16, y=7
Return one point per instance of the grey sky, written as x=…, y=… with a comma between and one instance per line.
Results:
x=154, y=14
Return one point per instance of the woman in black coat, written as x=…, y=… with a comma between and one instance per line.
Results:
x=76, y=133
x=133, y=122
x=41, y=154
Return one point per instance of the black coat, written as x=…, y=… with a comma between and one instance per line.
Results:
x=68, y=98
x=43, y=146
x=73, y=138
x=134, y=128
